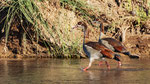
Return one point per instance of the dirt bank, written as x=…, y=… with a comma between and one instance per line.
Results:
x=59, y=40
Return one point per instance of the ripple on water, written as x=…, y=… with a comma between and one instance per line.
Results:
x=46, y=71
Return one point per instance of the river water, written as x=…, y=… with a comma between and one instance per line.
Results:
x=69, y=71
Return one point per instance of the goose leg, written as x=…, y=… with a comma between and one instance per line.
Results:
x=100, y=63
x=91, y=60
x=119, y=63
x=108, y=66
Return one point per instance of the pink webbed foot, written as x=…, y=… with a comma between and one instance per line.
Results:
x=100, y=63
x=108, y=67
x=119, y=64
x=85, y=69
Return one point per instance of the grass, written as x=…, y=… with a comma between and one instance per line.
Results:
x=25, y=13
x=83, y=11
x=53, y=25
x=80, y=7
x=140, y=12
x=63, y=27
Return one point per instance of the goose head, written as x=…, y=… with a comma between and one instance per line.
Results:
x=81, y=24
x=96, y=22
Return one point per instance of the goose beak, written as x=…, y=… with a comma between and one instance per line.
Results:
x=75, y=27
x=94, y=21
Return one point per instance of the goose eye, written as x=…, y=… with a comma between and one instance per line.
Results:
x=96, y=19
x=79, y=23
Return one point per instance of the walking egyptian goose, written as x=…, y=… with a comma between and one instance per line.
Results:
x=95, y=50
x=112, y=43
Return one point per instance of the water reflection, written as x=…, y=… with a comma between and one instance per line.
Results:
x=51, y=71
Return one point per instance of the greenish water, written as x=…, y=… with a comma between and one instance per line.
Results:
x=62, y=71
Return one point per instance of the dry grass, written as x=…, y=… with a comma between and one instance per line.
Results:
x=61, y=17
x=61, y=20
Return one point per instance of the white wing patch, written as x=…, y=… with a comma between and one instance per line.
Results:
x=95, y=54
x=108, y=45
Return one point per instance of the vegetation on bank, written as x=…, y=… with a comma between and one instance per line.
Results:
x=46, y=25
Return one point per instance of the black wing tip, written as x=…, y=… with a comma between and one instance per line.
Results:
x=126, y=53
x=117, y=57
x=134, y=56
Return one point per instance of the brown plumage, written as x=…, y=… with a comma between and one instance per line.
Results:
x=95, y=50
x=116, y=44
x=112, y=43
x=100, y=47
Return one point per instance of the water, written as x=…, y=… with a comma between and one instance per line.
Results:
x=63, y=71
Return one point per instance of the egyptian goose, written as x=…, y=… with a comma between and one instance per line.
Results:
x=112, y=43
x=95, y=50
